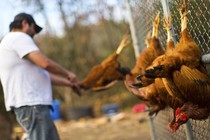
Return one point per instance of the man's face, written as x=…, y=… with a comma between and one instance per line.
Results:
x=31, y=30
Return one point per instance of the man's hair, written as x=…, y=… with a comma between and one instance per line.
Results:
x=17, y=22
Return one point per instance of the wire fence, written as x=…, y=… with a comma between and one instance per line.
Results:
x=142, y=12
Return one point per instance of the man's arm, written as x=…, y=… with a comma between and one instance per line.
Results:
x=59, y=81
x=59, y=75
x=41, y=60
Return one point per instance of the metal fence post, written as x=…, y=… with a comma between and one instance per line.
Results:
x=188, y=130
x=206, y=58
x=165, y=6
x=152, y=127
x=137, y=50
x=132, y=29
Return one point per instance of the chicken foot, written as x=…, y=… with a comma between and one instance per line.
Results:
x=155, y=24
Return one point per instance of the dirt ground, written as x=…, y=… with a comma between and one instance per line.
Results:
x=124, y=126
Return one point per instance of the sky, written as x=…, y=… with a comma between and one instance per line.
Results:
x=5, y=16
x=10, y=8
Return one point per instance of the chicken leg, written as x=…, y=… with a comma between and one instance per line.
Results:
x=125, y=41
x=183, y=10
x=155, y=24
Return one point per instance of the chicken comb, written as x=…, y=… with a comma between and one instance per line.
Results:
x=183, y=118
x=178, y=110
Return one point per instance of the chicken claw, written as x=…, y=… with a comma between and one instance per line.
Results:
x=150, y=73
x=139, y=78
x=136, y=85
x=155, y=72
x=160, y=67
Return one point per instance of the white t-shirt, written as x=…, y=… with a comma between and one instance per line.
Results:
x=24, y=83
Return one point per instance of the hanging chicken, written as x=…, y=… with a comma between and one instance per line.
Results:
x=157, y=93
x=185, y=70
x=145, y=81
x=153, y=50
x=148, y=94
x=186, y=53
x=106, y=74
x=195, y=88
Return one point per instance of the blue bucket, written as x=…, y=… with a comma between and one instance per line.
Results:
x=55, y=113
x=110, y=109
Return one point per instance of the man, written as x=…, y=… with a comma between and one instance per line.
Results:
x=26, y=75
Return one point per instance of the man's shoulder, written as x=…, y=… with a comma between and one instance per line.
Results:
x=15, y=35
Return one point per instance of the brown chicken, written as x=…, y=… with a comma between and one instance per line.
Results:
x=184, y=70
x=106, y=74
x=153, y=50
x=195, y=88
x=165, y=86
x=186, y=53
x=158, y=93
x=149, y=94
x=145, y=81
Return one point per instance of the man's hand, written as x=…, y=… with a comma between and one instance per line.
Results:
x=75, y=85
x=71, y=77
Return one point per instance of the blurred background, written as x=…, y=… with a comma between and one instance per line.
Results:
x=77, y=34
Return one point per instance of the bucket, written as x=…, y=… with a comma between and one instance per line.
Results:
x=55, y=113
x=139, y=108
x=110, y=109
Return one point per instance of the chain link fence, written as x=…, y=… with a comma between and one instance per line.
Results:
x=142, y=12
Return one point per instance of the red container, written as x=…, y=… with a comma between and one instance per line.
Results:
x=139, y=108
